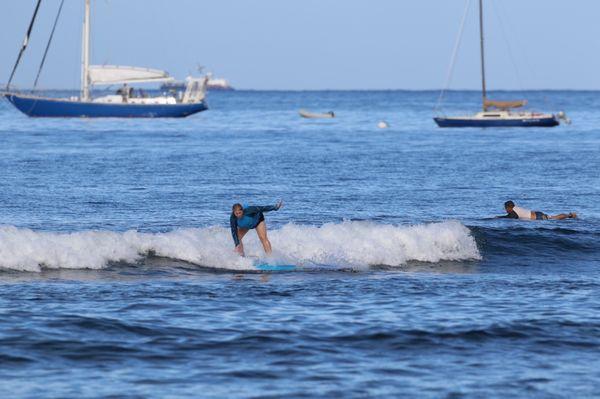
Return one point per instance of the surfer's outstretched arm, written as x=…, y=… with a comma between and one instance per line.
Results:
x=234, y=234
x=268, y=208
x=234, y=230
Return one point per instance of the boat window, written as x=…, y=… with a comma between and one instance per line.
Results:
x=492, y=115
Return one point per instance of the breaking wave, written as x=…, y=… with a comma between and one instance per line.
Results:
x=348, y=244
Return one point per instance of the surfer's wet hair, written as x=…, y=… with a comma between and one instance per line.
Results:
x=509, y=204
x=236, y=207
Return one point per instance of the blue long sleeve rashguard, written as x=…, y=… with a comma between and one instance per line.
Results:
x=253, y=215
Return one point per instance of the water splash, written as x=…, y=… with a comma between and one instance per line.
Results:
x=347, y=244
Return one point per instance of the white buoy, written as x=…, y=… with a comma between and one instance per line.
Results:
x=383, y=125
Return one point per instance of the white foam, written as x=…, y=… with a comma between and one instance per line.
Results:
x=359, y=244
x=348, y=244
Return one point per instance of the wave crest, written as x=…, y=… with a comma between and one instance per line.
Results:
x=347, y=244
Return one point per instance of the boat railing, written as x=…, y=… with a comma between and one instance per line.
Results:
x=195, y=90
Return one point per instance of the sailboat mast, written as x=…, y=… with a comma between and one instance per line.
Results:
x=85, y=54
x=483, y=88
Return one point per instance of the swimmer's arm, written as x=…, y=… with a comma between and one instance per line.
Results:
x=234, y=230
x=512, y=215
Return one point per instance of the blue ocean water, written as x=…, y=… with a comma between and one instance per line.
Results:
x=118, y=278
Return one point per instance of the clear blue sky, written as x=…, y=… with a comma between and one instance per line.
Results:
x=317, y=44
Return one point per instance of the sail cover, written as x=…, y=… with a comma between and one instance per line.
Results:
x=505, y=104
x=114, y=74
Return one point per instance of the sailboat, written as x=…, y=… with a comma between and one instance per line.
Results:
x=124, y=104
x=498, y=113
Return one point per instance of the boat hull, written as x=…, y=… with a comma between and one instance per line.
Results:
x=549, y=121
x=42, y=107
x=310, y=115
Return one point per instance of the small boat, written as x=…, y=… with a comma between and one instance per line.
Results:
x=498, y=113
x=310, y=115
x=126, y=103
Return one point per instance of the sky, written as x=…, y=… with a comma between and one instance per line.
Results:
x=316, y=44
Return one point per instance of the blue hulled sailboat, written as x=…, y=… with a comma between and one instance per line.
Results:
x=124, y=104
x=498, y=113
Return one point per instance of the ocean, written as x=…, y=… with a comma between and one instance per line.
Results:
x=118, y=276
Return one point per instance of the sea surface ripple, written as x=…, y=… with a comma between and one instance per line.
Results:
x=117, y=277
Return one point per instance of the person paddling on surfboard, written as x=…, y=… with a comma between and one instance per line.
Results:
x=245, y=218
x=515, y=212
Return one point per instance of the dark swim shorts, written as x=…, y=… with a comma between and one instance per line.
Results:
x=540, y=216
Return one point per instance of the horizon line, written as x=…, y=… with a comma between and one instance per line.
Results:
x=330, y=89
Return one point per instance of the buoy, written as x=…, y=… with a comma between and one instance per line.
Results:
x=383, y=125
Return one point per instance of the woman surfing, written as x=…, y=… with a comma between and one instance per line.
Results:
x=245, y=218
